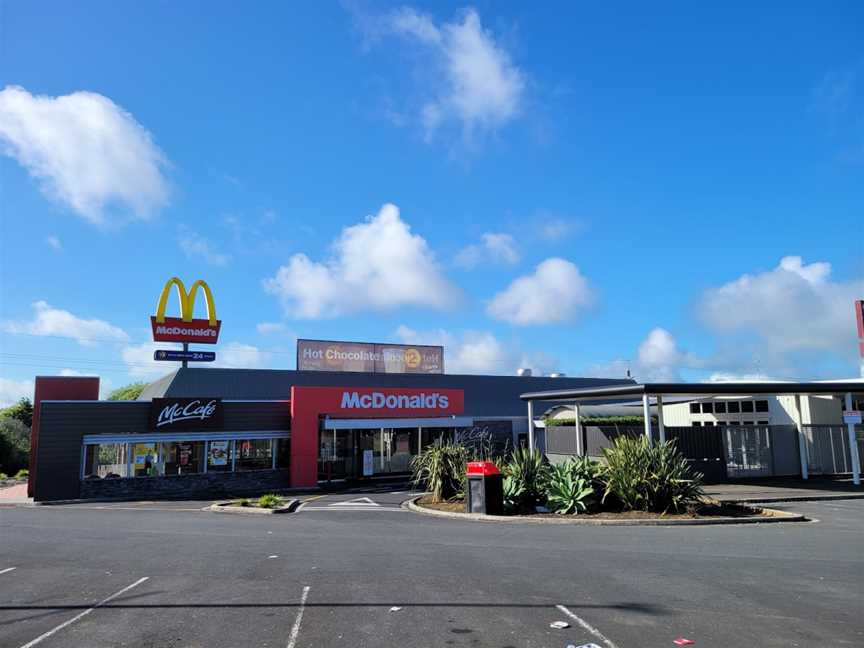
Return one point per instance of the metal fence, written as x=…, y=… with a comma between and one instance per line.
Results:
x=717, y=452
x=828, y=451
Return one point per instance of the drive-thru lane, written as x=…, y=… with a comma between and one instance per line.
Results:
x=378, y=579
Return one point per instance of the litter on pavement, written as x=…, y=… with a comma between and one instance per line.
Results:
x=559, y=625
x=681, y=641
x=395, y=608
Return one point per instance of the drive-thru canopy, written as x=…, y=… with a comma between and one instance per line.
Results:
x=657, y=391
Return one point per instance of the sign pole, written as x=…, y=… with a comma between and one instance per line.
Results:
x=185, y=350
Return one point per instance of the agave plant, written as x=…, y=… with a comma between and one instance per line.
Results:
x=649, y=478
x=571, y=486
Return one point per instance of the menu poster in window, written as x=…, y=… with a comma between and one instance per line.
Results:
x=184, y=453
x=368, y=463
x=144, y=454
x=219, y=453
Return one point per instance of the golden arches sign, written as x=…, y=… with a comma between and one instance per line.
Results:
x=185, y=328
x=187, y=300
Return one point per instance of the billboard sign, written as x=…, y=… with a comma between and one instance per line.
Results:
x=324, y=355
x=185, y=328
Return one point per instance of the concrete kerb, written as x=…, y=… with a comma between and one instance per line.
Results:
x=772, y=515
x=230, y=507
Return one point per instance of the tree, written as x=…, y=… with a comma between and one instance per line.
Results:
x=128, y=392
x=14, y=445
x=21, y=411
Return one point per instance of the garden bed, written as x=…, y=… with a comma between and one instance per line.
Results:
x=256, y=507
x=708, y=513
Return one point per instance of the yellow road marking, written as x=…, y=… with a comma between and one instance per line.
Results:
x=314, y=497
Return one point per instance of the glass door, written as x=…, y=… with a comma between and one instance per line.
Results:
x=335, y=455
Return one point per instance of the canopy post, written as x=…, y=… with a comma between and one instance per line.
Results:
x=577, y=427
x=646, y=412
x=531, y=425
x=853, y=445
x=660, y=426
x=802, y=439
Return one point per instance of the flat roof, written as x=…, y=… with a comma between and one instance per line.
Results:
x=694, y=389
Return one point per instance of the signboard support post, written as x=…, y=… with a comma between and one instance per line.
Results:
x=185, y=350
x=853, y=446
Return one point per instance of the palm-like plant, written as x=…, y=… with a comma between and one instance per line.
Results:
x=441, y=468
x=571, y=486
x=528, y=473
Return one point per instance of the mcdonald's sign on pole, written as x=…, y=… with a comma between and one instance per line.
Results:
x=185, y=328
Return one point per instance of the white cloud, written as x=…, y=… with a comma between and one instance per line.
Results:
x=11, y=391
x=194, y=245
x=555, y=293
x=493, y=248
x=140, y=363
x=556, y=229
x=49, y=321
x=269, y=328
x=726, y=377
x=235, y=355
x=375, y=265
x=86, y=152
x=468, y=77
x=477, y=352
x=54, y=243
x=658, y=359
x=793, y=308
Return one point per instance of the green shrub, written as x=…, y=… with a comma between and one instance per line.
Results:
x=641, y=477
x=525, y=480
x=440, y=468
x=22, y=474
x=269, y=501
x=3, y=476
x=244, y=502
x=572, y=486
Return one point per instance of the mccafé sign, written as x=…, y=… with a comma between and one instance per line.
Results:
x=185, y=328
x=185, y=413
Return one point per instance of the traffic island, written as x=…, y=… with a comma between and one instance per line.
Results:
x=709, y=513
x=265, y=505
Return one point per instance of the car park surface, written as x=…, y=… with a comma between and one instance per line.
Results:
x=378, y=577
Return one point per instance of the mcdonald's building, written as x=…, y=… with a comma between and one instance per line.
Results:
x=348, y=412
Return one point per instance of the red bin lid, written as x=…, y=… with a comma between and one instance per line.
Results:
x=483, y=468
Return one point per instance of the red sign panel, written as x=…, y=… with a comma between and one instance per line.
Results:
x=369, y=402
x=174, y=329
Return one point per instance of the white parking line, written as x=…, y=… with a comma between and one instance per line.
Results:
x=587, y=626
x=356, y=509
x=295, y=629
x=7, y=570
x=57, y=629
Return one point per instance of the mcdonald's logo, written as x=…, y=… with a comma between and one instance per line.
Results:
x=185, y=328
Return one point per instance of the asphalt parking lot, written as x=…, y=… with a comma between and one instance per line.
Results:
x=343, y=574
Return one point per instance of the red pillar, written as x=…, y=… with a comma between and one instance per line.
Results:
x=65, y=388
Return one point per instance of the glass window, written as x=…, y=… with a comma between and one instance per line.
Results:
x=733, y=407
x=145, y=460
x=720, y=407
x=219, y=456
x=254, y=454
x=746, y=406
x=283, y=453
x=761, y=422
x=694, y=408
x=762, y=406
x=708, y=407
x=106, y=461
x=181, y=457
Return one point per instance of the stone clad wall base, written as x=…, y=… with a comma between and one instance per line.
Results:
x=186, y=486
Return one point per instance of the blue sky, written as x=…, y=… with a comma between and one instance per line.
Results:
x=672, y=189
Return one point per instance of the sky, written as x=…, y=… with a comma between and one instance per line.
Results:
x=668, y=189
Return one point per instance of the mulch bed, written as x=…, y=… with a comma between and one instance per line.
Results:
x=706, y=511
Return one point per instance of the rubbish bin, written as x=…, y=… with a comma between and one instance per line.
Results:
x=485, y=488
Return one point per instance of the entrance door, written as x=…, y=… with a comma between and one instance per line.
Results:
x=336, y=457
x=385, y=451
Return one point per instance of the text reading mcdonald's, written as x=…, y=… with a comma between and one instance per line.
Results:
x=185, y=328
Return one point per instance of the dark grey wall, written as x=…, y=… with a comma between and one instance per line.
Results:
x=63, y=425
x=484, y=395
